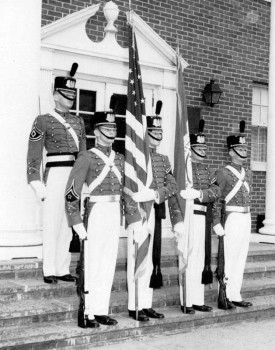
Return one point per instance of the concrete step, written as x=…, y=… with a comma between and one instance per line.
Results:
x=35, y=315
x=66, y=335
x=261, y=255
x=32, y=268
x=24, y=310
x=28, y=289
x=35, y=288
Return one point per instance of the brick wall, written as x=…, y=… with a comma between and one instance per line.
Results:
x=223, y=40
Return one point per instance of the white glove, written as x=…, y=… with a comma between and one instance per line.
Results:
x=80, y=230
x=136, y=227
x=190, y=193
x=178, y=230
x=39, y=189
x=219, y=230
x=145, y=195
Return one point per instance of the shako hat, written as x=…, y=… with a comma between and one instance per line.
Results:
x=154, y=122
x=66, y=82
x=199, y=138
x=105, y=117
x=237, y=140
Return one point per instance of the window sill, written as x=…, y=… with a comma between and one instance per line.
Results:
x=258, y=166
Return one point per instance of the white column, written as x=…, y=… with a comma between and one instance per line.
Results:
x=269, y=222
x=20, y=28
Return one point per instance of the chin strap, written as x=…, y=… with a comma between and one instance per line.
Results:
x=154, y=137
x=198, y=154
x=243, y=157
x=108, y=137
x=68, y=98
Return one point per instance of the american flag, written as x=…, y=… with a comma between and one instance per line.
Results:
x=138, y=169
x=182, y=161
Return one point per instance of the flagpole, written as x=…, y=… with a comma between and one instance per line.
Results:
x=182, y=278
x=183, y=174
x=137, y=169
x=136, y=283
x=135, y=243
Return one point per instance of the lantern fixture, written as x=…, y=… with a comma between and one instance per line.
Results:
x=211, y=93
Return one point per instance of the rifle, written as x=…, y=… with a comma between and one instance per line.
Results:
x=81, y=317
x=156, y=277
x=222, y=299
x=207, y=275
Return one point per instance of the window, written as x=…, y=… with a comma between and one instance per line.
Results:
x=85, y=105
x=95, y=96
x=120, y=111
x=259, y=126
x=194, y=116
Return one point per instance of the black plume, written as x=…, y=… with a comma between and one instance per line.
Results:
x=201, y=125
x=73, y=69
x=113, y=102
x=158, y=107
x=242, y=126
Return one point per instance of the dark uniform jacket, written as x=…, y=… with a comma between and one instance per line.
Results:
x=87, y=168
x=227, y=181
x=164, y=183
x=204, y=180
x=48, y=132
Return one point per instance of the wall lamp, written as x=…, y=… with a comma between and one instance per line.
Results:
x=211, y=93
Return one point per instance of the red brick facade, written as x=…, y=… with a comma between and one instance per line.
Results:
x=223, y=40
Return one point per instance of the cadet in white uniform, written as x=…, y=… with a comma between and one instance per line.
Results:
x=62, y=135
x=102, y=170
x=234, y=181
x=205, y=190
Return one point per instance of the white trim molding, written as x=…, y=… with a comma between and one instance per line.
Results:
x=258, y=166
x=62, y=24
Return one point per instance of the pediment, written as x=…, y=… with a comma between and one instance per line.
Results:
x=68, y=34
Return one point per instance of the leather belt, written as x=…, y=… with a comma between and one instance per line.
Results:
x=200, y=207
x=108, y=198
x=60, y=158
x=235, y=208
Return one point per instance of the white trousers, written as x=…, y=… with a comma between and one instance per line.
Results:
x=194, y=287
x=100, y=259
x=56, y=232
x=145, y=293
x=236, y=244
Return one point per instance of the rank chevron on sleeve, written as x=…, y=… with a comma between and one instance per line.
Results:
x=71, y=194
x=36, y=134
